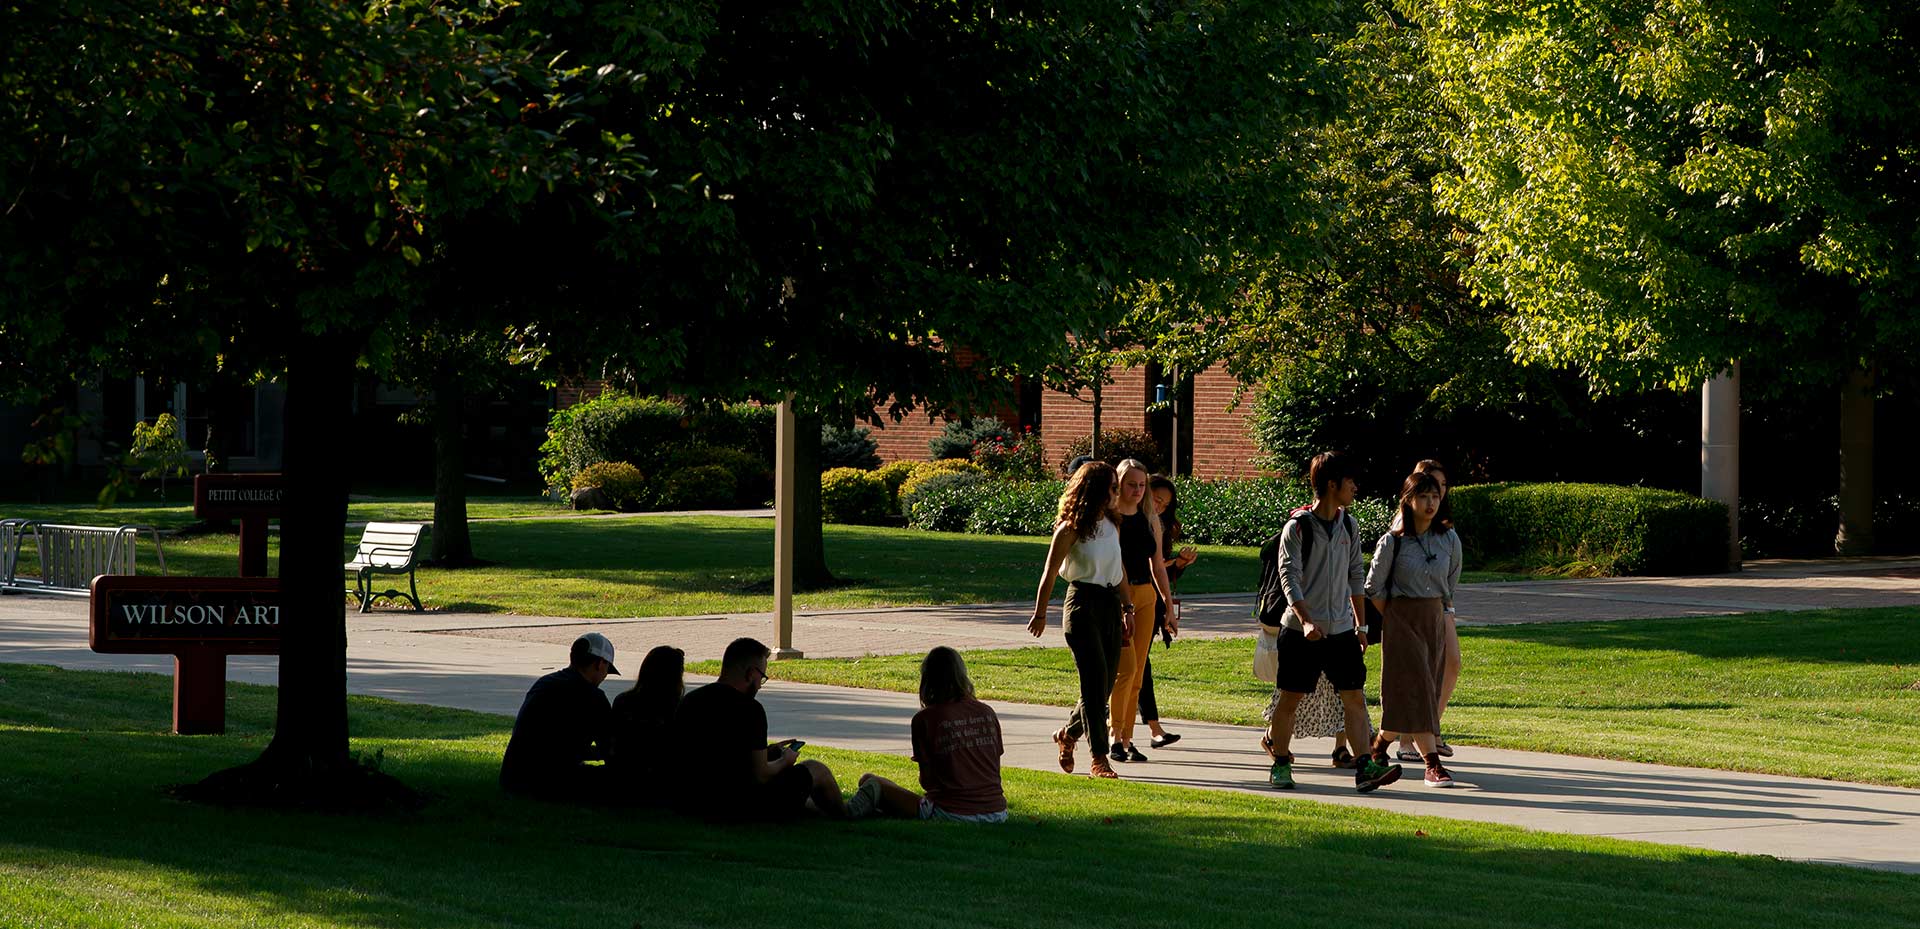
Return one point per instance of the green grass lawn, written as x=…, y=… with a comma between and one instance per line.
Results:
x=693, y=565
x=88, y=839
x=1831, y=694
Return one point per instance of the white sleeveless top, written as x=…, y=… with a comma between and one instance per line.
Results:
x=1095, y=560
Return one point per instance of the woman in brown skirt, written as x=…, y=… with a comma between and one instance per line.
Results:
x=1416, y=568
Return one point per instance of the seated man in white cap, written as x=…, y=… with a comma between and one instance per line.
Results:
x=564, y=721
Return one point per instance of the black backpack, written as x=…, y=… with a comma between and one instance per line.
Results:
x=1271, y=604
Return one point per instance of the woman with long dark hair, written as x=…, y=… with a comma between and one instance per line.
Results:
x=1450, y=669
x=1166, y=618
x=1415, y=571
x=641, y=715
x=1099, y=612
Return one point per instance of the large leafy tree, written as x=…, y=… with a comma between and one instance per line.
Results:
x=879, y=181
x=257, y=187
x=1660, y=188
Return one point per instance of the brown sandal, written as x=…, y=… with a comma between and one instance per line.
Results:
x=1101, y=768
x=1266, y=745
x=1065, y=745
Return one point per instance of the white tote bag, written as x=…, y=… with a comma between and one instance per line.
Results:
x=1266, y=653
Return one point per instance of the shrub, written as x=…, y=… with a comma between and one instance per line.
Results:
x=752, y=476
x=1005, y=507
x=942, y=502
x=1021, y=457
x=611, y=427
x=848, y=447
x=745, y=426
x=1616, y=530
x=852, y=495
x=927, y=470
x=1117, y=445
x=697, y=488
x=621, y=483
x=895, y=474
x=960, y=436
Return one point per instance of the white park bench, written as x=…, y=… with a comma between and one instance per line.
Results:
x=386, y=548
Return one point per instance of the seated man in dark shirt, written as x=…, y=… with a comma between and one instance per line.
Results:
x=564, y=721
x=725, y=768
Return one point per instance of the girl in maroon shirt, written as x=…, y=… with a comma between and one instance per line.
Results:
x=956, y=740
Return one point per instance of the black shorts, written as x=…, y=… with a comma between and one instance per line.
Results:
x=1302, y=662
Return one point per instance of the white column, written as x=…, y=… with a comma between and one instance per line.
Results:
x=783, y=531
x=1720, y=452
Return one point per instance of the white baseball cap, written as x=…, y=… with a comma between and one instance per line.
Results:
x=597, y=645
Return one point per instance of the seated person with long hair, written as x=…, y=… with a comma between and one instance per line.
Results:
x=956, y=740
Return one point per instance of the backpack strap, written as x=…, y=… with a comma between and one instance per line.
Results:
x=1386, y=586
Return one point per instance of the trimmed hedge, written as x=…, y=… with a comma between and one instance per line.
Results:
x=697, y=488
x=1221, y=512
x=662, y=437
x=621, y=483
x=942, y=502
x=854, y=495
x=924, y=471
x=894, y=475
x=1015, y=508
x=1616, y=530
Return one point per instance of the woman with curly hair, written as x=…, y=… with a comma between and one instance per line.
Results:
x=1099, y=614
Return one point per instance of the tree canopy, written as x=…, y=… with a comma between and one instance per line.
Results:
x=1660, y=187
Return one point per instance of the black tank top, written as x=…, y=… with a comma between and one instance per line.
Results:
x=1136, y=547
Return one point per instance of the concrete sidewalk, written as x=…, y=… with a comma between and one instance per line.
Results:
x=409, y=657
x=1765, y=586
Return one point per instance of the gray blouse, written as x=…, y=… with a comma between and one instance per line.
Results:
x=1429, y=566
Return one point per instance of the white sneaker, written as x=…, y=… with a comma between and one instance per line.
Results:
x=865, y=799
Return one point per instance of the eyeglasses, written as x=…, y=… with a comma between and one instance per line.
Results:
x=764, y=676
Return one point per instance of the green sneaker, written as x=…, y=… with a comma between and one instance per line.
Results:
x=1281, y=774
x=1371, y=774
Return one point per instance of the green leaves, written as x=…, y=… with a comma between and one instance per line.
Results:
x=1660, y=187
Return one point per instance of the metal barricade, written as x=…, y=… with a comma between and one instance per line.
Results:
x=70, y=557
x=12, y=533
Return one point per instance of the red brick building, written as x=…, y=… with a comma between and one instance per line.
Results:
x=1213, y=441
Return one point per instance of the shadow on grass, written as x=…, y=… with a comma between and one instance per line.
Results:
x=84, y=824
x=479, y=858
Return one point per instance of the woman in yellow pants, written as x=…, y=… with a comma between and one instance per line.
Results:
x=1146, y=571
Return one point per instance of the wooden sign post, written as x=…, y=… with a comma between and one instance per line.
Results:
x=252, y=499
x=201, y=620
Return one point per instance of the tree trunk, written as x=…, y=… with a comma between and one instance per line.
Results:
x=1093, y=442
x=810, y=570
x=307, y=763
x=452, y=546
x=1856, y=466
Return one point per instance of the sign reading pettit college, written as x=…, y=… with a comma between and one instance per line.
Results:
x=238, y=496
x=165, y=615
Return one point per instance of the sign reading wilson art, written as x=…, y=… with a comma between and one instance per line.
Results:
x=164, y=615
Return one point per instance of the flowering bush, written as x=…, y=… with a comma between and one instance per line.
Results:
x=1021, y=456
